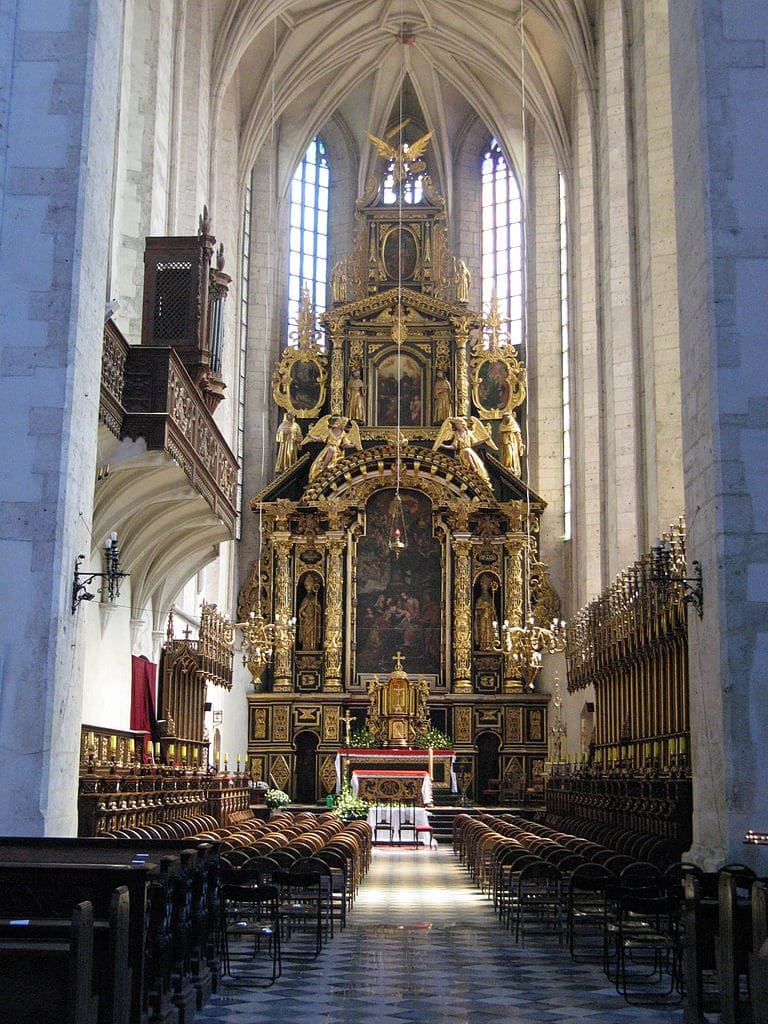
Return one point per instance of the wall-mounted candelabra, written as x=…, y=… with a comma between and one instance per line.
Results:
x=526, y=645
x=113, y=575
x=260, y=639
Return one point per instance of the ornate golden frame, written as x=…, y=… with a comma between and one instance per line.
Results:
x=514, y=382
x=283, y=380
x=396, y=229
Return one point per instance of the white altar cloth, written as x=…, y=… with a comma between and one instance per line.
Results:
x=394, y=814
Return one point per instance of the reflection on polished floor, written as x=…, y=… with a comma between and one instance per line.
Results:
x=422, y=946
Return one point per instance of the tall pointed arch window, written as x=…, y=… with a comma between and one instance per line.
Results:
x=308, y=232
x=502, y=240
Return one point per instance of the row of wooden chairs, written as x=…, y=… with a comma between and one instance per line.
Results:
x=293, y=877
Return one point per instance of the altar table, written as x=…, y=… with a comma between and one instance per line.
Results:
x=385, y=784
x=399, y=759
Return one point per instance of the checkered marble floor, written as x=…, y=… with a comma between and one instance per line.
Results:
x=422, y=946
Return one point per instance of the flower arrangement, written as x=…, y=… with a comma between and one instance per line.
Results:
x=275, y=799
x=347, y=805
x=435, y=738
x=362, y=738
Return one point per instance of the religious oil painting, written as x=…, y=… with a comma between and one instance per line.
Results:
x=398, y=599
x=493, y=385
x=411, y=392
x=305, y=384
x=400, y=254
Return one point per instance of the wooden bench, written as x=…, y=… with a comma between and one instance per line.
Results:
x=47, y=969
x=176, y=892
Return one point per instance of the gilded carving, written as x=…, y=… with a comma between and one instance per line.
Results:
x=259, y=730
x=328, y=773
x=280, y=723
x=462, y=719
x=513, y=724
x=280, y=771
x=331, y=724
x=462, y=616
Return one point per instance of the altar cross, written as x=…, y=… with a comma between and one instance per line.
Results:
x=398, y=659
x=347, y=719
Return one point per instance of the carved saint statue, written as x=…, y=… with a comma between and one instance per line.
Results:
x=339, y=281
x=463, y=433
x=336, y=433
x=356, y=397
x=511, y=441
x=442, y=398
x=310, y=616
x=485, y=620
x=289, y=438
x=461, y=279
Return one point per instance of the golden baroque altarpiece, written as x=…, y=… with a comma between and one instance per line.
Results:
x=397, y=417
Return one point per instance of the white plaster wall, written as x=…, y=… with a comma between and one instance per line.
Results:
x=59, y=109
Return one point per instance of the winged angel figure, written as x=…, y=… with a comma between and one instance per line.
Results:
x=463, y=434
x=406, y=159
x=336, y=433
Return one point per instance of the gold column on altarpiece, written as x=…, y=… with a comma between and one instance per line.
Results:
x=462, y=372
x=337, y=378
x=334, y=612
x=513, y=604
x=462, y=614
x=281, y=543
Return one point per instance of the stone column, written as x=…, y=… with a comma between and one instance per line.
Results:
x=334, y=612
x=462, y=614
x=281, y=543
x=59, y=68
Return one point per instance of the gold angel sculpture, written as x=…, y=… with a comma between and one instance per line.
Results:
x=463, y=433
x=336, y=433
x=406, y=159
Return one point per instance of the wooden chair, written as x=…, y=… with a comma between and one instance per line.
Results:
x=300, y=910
x=250, y=912
x=383, y=822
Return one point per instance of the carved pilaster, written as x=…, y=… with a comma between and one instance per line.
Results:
x=462, y=371
x=281, y=543
x=337, y=380
x=334, y=612
x=513, y=604
x=462, y=614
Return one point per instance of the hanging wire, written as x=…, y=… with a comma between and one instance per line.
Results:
x=400, y=248
x=268, y=292
x=524, y=229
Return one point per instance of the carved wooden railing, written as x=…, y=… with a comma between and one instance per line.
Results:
x=113, y=359
x=166, y=409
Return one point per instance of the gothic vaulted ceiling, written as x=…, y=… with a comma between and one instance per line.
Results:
x=297, y=64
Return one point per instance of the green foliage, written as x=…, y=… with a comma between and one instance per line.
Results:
x=347, y=805
x=361, y=738
x=435, y=738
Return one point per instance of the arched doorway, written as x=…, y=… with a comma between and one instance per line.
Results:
x=306, y=767
x=487, y=782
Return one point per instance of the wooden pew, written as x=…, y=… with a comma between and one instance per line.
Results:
x=39, y=888
x=47, y=978
x=716, y=944
x=758, y=958
x=180, y=966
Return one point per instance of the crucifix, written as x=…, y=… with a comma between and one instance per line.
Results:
x=398, y=660
x=347, y=719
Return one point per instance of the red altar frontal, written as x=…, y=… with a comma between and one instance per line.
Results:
x=393, y=775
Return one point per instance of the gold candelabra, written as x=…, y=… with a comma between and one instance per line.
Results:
x=527, y=644
x=260, y=639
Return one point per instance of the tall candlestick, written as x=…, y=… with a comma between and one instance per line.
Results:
x=431, y=762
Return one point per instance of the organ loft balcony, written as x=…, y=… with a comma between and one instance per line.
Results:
x=167, y=479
